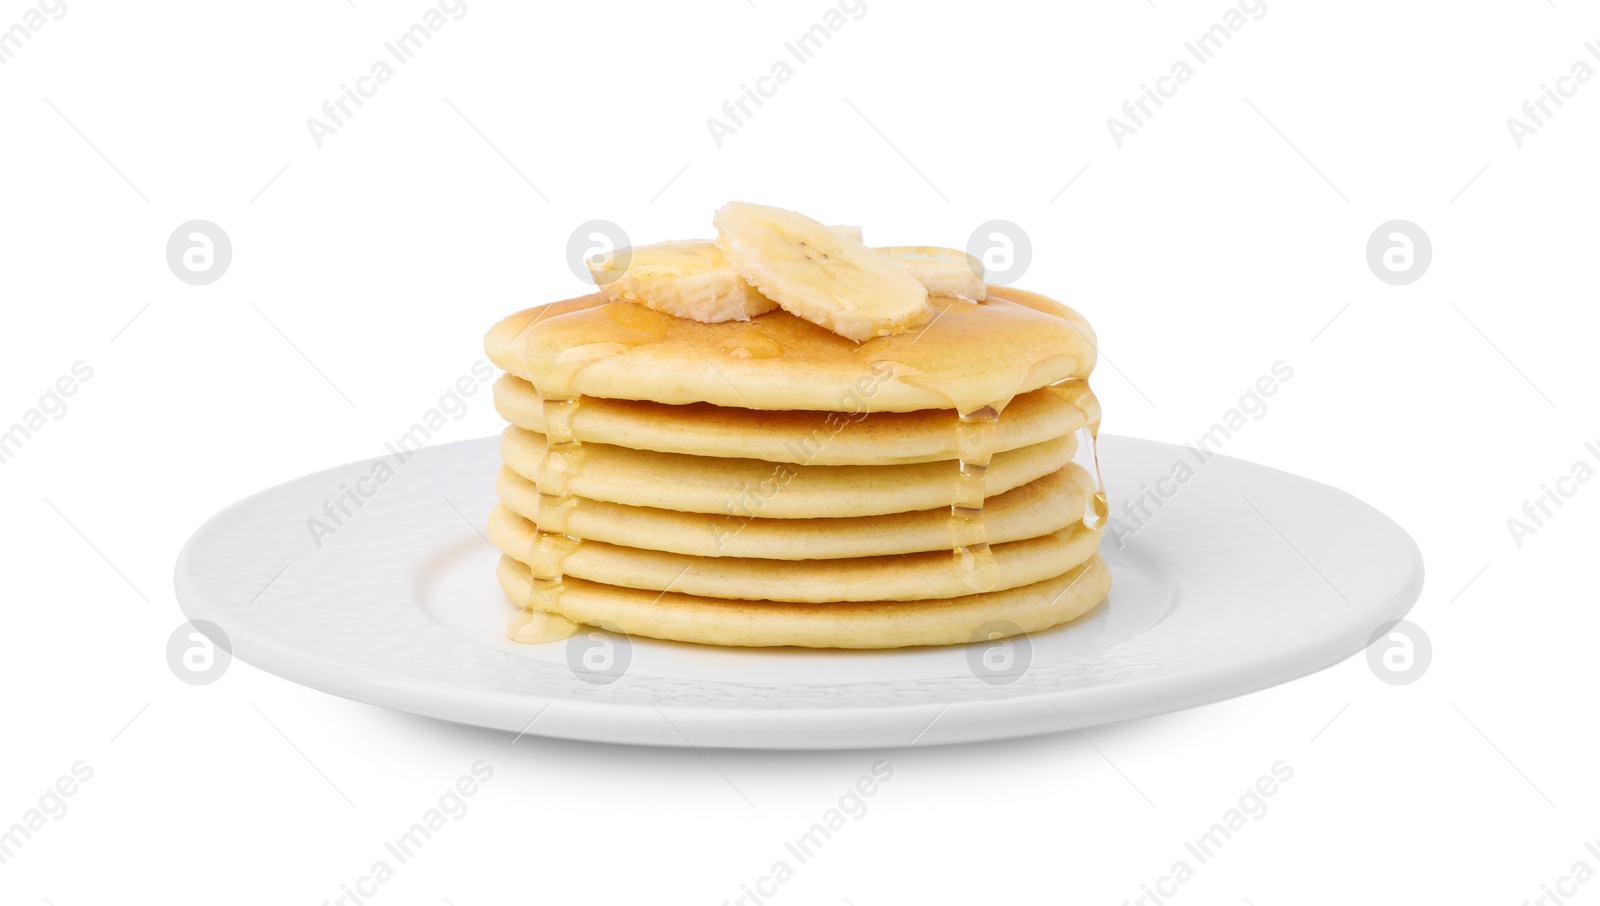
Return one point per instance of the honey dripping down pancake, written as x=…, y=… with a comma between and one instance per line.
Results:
x=795, y=435
x=1040, y=507
x=699, y=484
x=784, y=437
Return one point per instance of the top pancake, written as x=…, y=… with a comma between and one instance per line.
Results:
x=966, y=356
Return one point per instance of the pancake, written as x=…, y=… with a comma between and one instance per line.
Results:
x=798, y=435
x=750, y=487
x=790, y=439
x=890, y=577
x=866, y=624
x=1040, y=507
x=965, y=356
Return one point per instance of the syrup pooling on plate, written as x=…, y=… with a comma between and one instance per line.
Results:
x=533, y=626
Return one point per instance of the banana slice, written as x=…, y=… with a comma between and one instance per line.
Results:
x=818, y=273
x=691, y=279
x=942, y=272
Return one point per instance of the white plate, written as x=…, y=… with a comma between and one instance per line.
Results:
x=1244, y=578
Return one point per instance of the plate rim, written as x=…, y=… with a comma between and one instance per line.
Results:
x=599, y=720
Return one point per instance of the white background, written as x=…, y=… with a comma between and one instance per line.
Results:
x=1204, y=250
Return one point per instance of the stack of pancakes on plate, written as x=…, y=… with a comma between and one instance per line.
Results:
x=770, y=482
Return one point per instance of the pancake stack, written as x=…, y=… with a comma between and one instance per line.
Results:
x=770, y=481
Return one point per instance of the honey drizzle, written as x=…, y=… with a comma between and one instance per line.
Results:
x=1096, y=510
x=564, y=454
x=976, y=432
x=975, y=442
x=563, y=459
